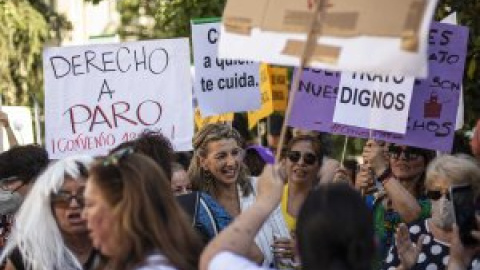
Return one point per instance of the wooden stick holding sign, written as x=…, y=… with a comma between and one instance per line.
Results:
x=344, y=151
x=306, y=52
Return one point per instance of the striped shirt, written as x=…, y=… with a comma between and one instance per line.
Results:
x=275, y=224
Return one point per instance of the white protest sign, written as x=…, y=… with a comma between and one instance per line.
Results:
x=222, y=86
x=374, y=101
x=347, y=32
x=98, y=96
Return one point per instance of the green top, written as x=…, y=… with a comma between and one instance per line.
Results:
x=386, y=222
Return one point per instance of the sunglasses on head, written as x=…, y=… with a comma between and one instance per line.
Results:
x=63, y=199
x=308, y=158
x=114, y=158
x=436, y=195
x=408, y=152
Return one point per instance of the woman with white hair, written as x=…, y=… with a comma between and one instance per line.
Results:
x=433, y=236
x=49, y=231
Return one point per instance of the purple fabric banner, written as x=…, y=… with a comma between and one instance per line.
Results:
x=433, y=110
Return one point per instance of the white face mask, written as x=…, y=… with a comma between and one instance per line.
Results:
x=10, y=202
x=442, y=213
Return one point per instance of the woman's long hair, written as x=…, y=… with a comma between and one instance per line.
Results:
x=202, y=180
x=35, y=232
x=148, y=218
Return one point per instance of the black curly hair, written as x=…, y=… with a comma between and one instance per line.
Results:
x=25, y=162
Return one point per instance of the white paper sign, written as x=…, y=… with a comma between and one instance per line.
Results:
x=374, y=101
x=99, y=96
x=222, y=86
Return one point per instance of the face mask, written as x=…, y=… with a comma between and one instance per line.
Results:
x=10, y=202
x=442, y=213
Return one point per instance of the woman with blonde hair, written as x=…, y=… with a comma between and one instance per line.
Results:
x=48, y=231
x=134, y=220
x=217, y=168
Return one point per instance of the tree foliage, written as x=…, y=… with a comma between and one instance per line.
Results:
x=25, y=27
x=174, y=16
x=137, y=19
x=147, y=19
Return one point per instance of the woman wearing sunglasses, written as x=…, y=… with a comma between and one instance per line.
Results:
x=49, y=232
x=217, y=168
x=302, y=162
x=396, y=173
x=133, y=217
x=434, y=235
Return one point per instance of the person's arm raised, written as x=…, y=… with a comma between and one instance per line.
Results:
x=239, y=236
x=12, y=140
x=402, y=201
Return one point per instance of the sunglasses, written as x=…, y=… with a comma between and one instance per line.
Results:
x=63, y=199
x=114, y=158
x=308, y=158
x=436, y=195
x=409, y=152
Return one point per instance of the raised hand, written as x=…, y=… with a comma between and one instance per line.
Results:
x=408, y=252
x=365, y=181
x=375, y=155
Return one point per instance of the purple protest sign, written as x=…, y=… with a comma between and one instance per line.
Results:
x=434, y=105
x=314, y=103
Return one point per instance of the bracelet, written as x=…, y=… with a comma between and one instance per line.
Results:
x=385, y=175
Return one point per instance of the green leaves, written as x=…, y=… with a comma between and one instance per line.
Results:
x=142, y=19
x=23, y=32
x=472, y=68
x=173, y=17
x=25, y=27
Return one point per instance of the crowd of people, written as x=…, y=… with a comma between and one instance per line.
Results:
x=229, y=205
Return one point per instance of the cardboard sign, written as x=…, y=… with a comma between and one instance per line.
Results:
x=374, y=101
x=200, y=121
x=99, y=96
x=434, y=105
x=346, y=34
x=222, y=86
